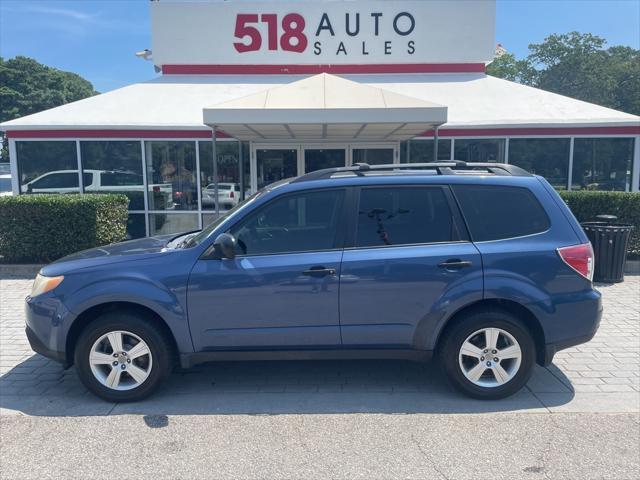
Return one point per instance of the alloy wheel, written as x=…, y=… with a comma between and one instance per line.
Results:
x=120, y=360
x=490, y=357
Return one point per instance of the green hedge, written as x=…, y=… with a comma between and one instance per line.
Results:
x=43, y=228
x=585, y=205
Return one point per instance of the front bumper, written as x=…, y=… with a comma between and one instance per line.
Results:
x=47, y=326
x=39, y=347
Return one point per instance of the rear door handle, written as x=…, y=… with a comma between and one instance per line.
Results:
x=455, y=264
x=319, y=271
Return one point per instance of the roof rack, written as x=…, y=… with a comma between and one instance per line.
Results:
x=452, y=167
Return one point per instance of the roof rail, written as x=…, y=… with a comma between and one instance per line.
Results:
x=443, y=168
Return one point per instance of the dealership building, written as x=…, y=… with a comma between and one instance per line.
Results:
x=253, y=92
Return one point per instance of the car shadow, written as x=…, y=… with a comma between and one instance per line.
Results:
x=38, y=386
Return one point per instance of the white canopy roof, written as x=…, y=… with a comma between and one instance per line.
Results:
x=325, y=106
x=175, y=102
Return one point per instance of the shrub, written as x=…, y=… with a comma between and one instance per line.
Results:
x=585, y=205
x=43, y=228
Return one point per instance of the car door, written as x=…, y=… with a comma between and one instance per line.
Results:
x=281, y=290
x=407, y=265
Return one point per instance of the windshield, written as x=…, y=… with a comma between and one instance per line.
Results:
x=199, y=237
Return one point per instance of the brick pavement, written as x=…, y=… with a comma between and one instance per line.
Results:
x=605, y=370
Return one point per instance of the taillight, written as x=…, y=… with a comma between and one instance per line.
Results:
x=580, y=258
x=231, y=194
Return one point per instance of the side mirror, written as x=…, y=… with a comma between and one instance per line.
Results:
x=224, y=246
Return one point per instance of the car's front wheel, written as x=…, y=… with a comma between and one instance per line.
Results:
x=488, y=354
x=121, y=357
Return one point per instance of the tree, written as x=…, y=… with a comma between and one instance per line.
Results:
x=508, y=67
x=578, y=65
x=27, y=86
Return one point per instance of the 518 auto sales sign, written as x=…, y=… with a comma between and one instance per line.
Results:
x=322, y=32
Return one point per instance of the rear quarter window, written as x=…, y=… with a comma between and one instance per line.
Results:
x=498, y=212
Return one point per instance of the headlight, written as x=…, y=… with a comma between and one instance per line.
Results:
x=44, y=284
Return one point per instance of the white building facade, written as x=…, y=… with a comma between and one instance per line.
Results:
x=294, y=86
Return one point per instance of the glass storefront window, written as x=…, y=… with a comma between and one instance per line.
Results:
x=602, y=164
x=421, y=151
x=114, y=167
x=136, y=226
x=479, y=150
x=229, y=189
x=163, y=223
x=171, y=175
x=373, y=156
x=47, y=167
x=547, y=157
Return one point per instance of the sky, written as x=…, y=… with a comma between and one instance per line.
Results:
x=98, y=38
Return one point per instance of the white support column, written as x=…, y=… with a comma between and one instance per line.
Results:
x=241, y=170
x=198, y=184
x=506, y=151
x=453, y=146
x=570, y=171
x=13, y=162
x=215, y=171
x=435, y=144
x=253, y=168
x=635, y=169
x=79, y=160
x=145, y=194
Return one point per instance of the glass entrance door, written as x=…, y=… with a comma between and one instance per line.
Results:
x=317, y=158
x=273, y=164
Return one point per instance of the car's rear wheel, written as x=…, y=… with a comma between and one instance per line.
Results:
x=121, y=357
x=488, y=354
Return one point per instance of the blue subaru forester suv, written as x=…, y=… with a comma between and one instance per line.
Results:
x=482, y=265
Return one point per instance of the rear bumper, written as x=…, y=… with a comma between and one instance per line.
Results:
x=590, y=324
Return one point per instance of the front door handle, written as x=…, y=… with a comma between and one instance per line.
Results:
x=455, y=264
x=319, y=271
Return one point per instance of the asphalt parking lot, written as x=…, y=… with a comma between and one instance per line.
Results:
x=578, y=418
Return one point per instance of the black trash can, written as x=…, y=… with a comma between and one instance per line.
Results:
x=610, y=241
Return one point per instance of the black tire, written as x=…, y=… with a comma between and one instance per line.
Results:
x=465, y=326
x=159, y=347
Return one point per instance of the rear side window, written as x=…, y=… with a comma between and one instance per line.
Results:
x=403, y=216
x=497, y=212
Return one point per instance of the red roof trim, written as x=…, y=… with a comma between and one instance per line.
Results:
x=533, y=131
x=109, y=133
x=326, y=68
x=444, y=132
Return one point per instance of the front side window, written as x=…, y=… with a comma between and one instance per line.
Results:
x=499, y=212
x=404, y=216
x=293, y=223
